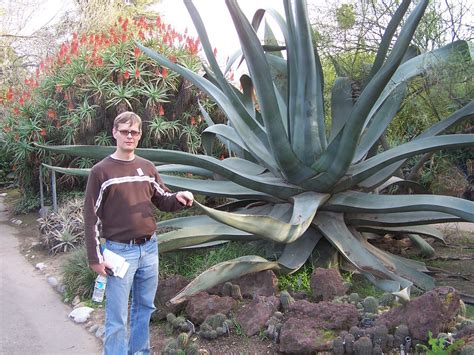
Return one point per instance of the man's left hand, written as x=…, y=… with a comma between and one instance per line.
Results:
x=186, y=198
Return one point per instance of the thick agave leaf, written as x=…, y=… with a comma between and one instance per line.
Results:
x=222, y=272
x=341, y=104
x=177, y=168
x=188, y=221
x=387, y=37
x=361, y=171
x=216, y=188
x=404, y=267
x=272, y=228
x=297, y=253
x=396, y=181
x=273, y=186
x=226, y=135
x=290, y=165
x=352, y=201
x=425, y=230
x=191, y=236
x=351, y=132
x=461, y=115
x=406, y=72
x=332, y=226
x=245, y=125
x=400, y=218
x=69, y=171
x=426, y=250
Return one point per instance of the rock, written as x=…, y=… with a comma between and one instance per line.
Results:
x=434, y=311
x=327, y=284
x=93, y=328
x=53, y=281
x=61, y=288
x=264, y=283
x=202, y=305
x=167, y=289
x=41, y=266
x=100, y=331
x=17, y=222
x=252, y=317
x=327, y=315
x=81, y=314
x=303, y=336
x=76, y=300
x=3, y=194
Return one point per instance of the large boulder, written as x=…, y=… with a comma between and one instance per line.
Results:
x=327, y=284
x=202, y=305
x=167, y=289
x=327, y=315
x=253, y=316
x=263, y=283
x=303, y=336
x=433, y=311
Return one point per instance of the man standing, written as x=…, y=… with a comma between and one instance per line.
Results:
x=121, y=193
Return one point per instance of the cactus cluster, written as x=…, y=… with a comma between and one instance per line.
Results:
x=214, y=326
x=181, y=345
x=179, y=323
x=232, y=290
x=357, y=341
x=286, y=301
x=273, y=326
x=370, y=304
x=387, y=300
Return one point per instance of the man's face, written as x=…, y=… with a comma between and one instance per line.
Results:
x=127, y=136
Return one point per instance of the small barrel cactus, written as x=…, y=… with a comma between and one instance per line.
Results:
x=371, y=304
x=227, y=289
x=235, y=293
x=363, y=346
x=356, y=332
x=377, y=350
x=182, y=340
x=349, y=343
x=286, y=300
x=381, y=336
x=354, y=298
x=401, y=332
x=215, y=325
x=387, y=299
x=338, y=346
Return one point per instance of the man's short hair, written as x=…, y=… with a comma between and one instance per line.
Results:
x=128, y=117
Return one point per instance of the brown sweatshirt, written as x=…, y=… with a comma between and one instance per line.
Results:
x=119, y=202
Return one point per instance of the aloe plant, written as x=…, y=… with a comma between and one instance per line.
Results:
x=294, y=182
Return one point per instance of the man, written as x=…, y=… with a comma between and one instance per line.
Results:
x=120, y=194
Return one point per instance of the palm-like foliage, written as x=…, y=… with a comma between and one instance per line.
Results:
x=292, y=184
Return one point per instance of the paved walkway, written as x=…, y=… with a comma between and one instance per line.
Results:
x=33, y=320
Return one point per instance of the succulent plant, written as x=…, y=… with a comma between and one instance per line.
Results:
x=214, y=326
x=356, y=332
x=371, y=305
x=182, y=340
x=401, y=332
x=354, y=298
x=296, y=183
x=387, y=299
x=286, y=300
x=227, y=289
x=235, y=292
x=381, y=336
x=349, y=343
x=363, y=346
x=467, y=350
x=338, y=346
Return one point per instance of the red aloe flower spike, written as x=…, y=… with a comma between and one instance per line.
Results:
x=137, y=73
x=43, y=132
x=193, y=120
x=164, y=73
x=162, y=111
x=136, y=52
x=126, y=75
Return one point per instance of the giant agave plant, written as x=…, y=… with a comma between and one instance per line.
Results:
x=294, y=183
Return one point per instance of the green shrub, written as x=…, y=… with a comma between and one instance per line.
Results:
x=78, y=278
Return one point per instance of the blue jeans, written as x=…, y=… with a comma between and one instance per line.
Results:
x=142, y=280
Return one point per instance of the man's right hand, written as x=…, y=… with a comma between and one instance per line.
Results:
x=100, y=268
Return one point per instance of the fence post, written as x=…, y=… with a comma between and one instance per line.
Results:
x=41, y=187
x=53, y=190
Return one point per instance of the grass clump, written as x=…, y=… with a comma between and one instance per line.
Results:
x=78, y=278
x=359, y=284
x=192, y=262
x=300, y=281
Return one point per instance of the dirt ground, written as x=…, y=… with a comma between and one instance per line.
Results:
x=453, y=264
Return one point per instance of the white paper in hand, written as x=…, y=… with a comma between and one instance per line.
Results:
x=117, y=263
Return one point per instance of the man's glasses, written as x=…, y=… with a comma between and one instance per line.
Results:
x=126, y=132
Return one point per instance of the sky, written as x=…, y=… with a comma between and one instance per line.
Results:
x=213, y=12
